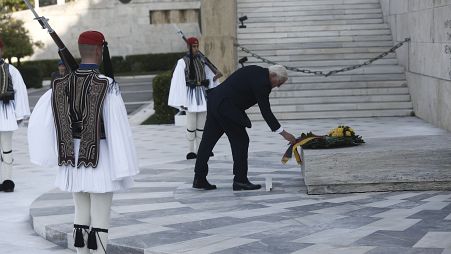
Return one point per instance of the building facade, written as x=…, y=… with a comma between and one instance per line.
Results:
x=131, y=26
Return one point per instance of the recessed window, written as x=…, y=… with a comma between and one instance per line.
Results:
x=174, y=16
x=47, y=2
x=182, y=16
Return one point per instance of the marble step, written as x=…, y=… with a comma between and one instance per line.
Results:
x=298, y=18
x=271, y=3
x=307, y=14
x=305, y=57
x=310, y=2
x=336, y=39
x=308, y=34
x=254, y=8
x=340, y=99
x=379, y=66
x=369, y=69
x=296, y=21
x=334, y=107
x=253, y=45
x=326, y=63
x=343, y=85
x=336, y=114
x=296, y=77
x=304, y=28
x=313, y=57
x=296, y=54
x=279, y=93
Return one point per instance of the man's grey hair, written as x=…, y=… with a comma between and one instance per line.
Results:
x=280, y=71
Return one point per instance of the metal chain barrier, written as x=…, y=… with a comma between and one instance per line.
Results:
x=322, y=73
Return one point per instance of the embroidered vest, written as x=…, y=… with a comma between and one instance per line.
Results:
x=77, y=102
x=199, y=77
x=6, y=84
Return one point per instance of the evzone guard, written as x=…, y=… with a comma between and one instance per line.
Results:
x=81, y=125
x=14, y=109
x=193, y=76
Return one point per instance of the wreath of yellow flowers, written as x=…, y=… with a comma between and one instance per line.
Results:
x=342, y=131
x=342, y=136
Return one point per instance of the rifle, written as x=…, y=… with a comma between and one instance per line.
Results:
x=207, y=61
x=63, y=52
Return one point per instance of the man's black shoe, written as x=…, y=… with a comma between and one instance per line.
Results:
x=202, y=183
x=191, y=156
x=8, y=186
x=245, y=186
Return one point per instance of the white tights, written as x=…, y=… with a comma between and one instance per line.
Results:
x=195, y=122
x=6, y=154
x=93, y=209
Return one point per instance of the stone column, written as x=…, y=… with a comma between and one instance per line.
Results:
x=59, y=2
x=219, y=19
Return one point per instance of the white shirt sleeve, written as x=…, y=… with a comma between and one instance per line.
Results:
x=177, y=92
x=42, y=133
x=280, y=130
x=121, y=147
x=22, y=108
x=210, y=76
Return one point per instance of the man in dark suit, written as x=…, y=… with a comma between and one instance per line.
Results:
x=226, y=105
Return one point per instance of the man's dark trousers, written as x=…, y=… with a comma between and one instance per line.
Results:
x=215, y=126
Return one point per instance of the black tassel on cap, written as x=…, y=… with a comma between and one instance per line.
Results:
x=79, y=241
x=192, y=70
x=107, y=65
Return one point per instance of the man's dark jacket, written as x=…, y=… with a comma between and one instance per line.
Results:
x=243, y=89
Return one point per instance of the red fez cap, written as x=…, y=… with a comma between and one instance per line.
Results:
x=1, y=43
x=192, y=41
x=91, y=38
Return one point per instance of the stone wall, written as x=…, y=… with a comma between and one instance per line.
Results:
x=139, y=27
x=428, y=57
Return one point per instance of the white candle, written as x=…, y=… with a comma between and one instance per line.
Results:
x=268, y=183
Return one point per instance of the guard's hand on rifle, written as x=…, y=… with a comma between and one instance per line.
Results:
x=217, y=76
x=289, y=137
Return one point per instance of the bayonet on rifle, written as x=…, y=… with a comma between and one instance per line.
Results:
x=63, y=52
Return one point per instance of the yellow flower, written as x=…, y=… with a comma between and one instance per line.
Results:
x=348, y=133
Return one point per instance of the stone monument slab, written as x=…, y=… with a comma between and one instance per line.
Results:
x=382, y=164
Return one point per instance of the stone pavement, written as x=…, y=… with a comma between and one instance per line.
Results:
x=162, y=214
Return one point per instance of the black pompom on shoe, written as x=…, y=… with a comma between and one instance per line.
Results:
x=191, y=156
x=8, y=186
